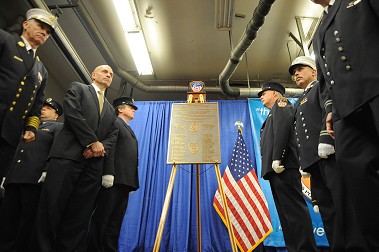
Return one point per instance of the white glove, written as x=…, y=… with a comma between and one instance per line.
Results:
x=2, y=183
x=277, y=167
x=316, y=209
x=107, y=181
x=42, y=178
x=304, y=174
x=324, y=150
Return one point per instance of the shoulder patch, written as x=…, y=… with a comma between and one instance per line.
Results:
x=282, y=102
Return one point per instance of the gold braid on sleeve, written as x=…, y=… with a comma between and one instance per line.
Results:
x=33, y=121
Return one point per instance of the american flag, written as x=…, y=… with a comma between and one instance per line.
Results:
x=247, y=205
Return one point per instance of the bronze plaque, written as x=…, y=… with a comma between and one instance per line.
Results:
x=194, y=134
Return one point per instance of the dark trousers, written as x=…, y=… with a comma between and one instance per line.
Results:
x=67, y=201
x=357, y=153
x=336, y=211
x=294, y=216
x=17, y=216
x=7, y=153
x=107, y=218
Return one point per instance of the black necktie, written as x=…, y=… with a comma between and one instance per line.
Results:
x=328, y=8
x=31, y=54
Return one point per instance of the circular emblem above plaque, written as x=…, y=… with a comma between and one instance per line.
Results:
x=196, y=86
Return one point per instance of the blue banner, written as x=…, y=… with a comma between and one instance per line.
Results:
x=258, y=114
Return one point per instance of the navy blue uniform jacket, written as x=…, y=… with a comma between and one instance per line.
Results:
x=277, y=139
x=31, y=158
x=22, y=84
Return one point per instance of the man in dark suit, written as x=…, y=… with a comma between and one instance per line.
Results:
x=24, y=180
x=347, y=52
x=113, y=198
x=77, y=159
x=22, y=83
x=280, y=166
x=313, y=143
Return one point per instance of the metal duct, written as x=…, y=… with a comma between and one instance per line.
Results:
x=245, y=42
x=90, y=27
x=63, y=42
x=255, y=23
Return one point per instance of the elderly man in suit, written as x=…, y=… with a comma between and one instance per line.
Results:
x=347, y=52
x=113, y=198
x=24, y=181
x=77, y=160
x=280, y=166
x=22, y=82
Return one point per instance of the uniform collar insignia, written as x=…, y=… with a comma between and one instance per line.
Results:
x=353, y=3
x=20, y=43
x=304, y=100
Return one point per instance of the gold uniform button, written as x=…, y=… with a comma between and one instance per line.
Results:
x=23, y=117
x=20, y=90
x=17, y=95
x=22, y=83
x=35, y=86
x=29, y=104
x=13, y=103
x=24, y=77
x=32, y=99
x=26, y=111
x=11, y=109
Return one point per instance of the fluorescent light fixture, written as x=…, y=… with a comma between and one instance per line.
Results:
x=127, y=13
x=225, y=11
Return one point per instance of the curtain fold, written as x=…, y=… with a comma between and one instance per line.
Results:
x=151, y=126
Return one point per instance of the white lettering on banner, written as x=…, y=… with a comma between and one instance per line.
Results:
x=262, y=111
x=319, y=231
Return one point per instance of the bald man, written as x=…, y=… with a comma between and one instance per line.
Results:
x=77, y=159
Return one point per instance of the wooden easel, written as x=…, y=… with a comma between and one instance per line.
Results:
x=170, y=186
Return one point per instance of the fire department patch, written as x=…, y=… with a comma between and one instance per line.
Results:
x=282, y=102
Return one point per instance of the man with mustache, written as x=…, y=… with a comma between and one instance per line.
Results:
x=22, y=82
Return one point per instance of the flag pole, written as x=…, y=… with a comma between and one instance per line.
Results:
x=226, y=212
x=198, y=212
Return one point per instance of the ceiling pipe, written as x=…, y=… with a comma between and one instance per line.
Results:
x=245, y=42
x=100, y=43
x=95, y=35
x=63, y=42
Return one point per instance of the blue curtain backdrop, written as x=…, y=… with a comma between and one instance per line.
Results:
x=140, y=225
